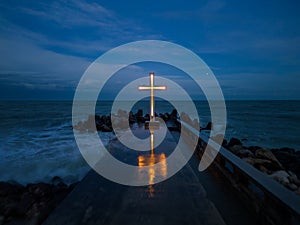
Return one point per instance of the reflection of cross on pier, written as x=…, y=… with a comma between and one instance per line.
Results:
x=152, y=123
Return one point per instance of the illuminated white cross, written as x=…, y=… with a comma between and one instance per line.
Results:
x=152, y=87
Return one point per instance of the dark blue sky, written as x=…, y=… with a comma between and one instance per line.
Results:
x=253, y=47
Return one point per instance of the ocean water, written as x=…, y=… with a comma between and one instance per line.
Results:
x=37, y=142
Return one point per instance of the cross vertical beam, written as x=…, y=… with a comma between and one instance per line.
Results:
x=152, y=97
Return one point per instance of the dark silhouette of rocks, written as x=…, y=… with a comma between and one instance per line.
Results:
x=282, y=165
x=32, y=203
x=104, y=123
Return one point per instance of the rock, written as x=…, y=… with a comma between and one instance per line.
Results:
x=167, y=116
x=97, y=118
x=208, y=126
x=139, y=113
x=147, y=117
x=289, y=158
x=263, y=169
x=139, y=116
x=7, y=189
x=72, y=186
x=24, y=204
x=132, y=118
x=253, y=148
x=40, y=189
x=218, y=138
x=30, y=204
x=292, y=187
x=236, y=149
x=122, y=113
x=90, y=123
x=9, y=210
x=105, y=128
x=195, y=124
x=268, y=164
x=186, y=118
x=245, y=153
x=140, y=119
x=164, y=116
x=224, y=143
x=281, y=177
x=174, y=114
x=264, y=153
x=58, y=182
x=293, y=178
x=234, y=141
x=80, y=126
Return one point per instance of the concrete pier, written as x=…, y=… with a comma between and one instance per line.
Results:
x=179, y=200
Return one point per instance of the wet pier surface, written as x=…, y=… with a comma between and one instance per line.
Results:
x=180, y=199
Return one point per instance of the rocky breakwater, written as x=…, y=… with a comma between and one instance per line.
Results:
x=30, y=204
x=104, y=123
x=282, y=165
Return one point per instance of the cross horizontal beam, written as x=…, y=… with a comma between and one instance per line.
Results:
x=141, y=88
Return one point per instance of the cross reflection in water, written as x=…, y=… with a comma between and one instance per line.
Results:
x=146, y=165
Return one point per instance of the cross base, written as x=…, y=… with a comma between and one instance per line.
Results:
x=152, y=125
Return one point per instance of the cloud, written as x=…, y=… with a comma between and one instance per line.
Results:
x=49, y=46
x=71, y=27
x=205, y=13
x=25, y=64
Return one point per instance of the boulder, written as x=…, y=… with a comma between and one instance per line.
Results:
x=122, y=113
x=253, y=148
x=132, y=118
x=90, y=123
x=293, y=178
x=236, y=149
x=147, y=117
x=139, y=113
x=224, y=143
x=292, y=187
x=58, y=182
x=289, y=158
x=173, y=114
x=263, y=169
x=7, y=189
x=264, y=153
x=281, y=176
x=167, y=116
x=98, y=119
x=234, y=141
x=140, y=119
x=257, y=163
x=40, y=189
x=105, y=128
x=186, y=118
x=195, y=124
x=244, y=153
x=208, y=126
